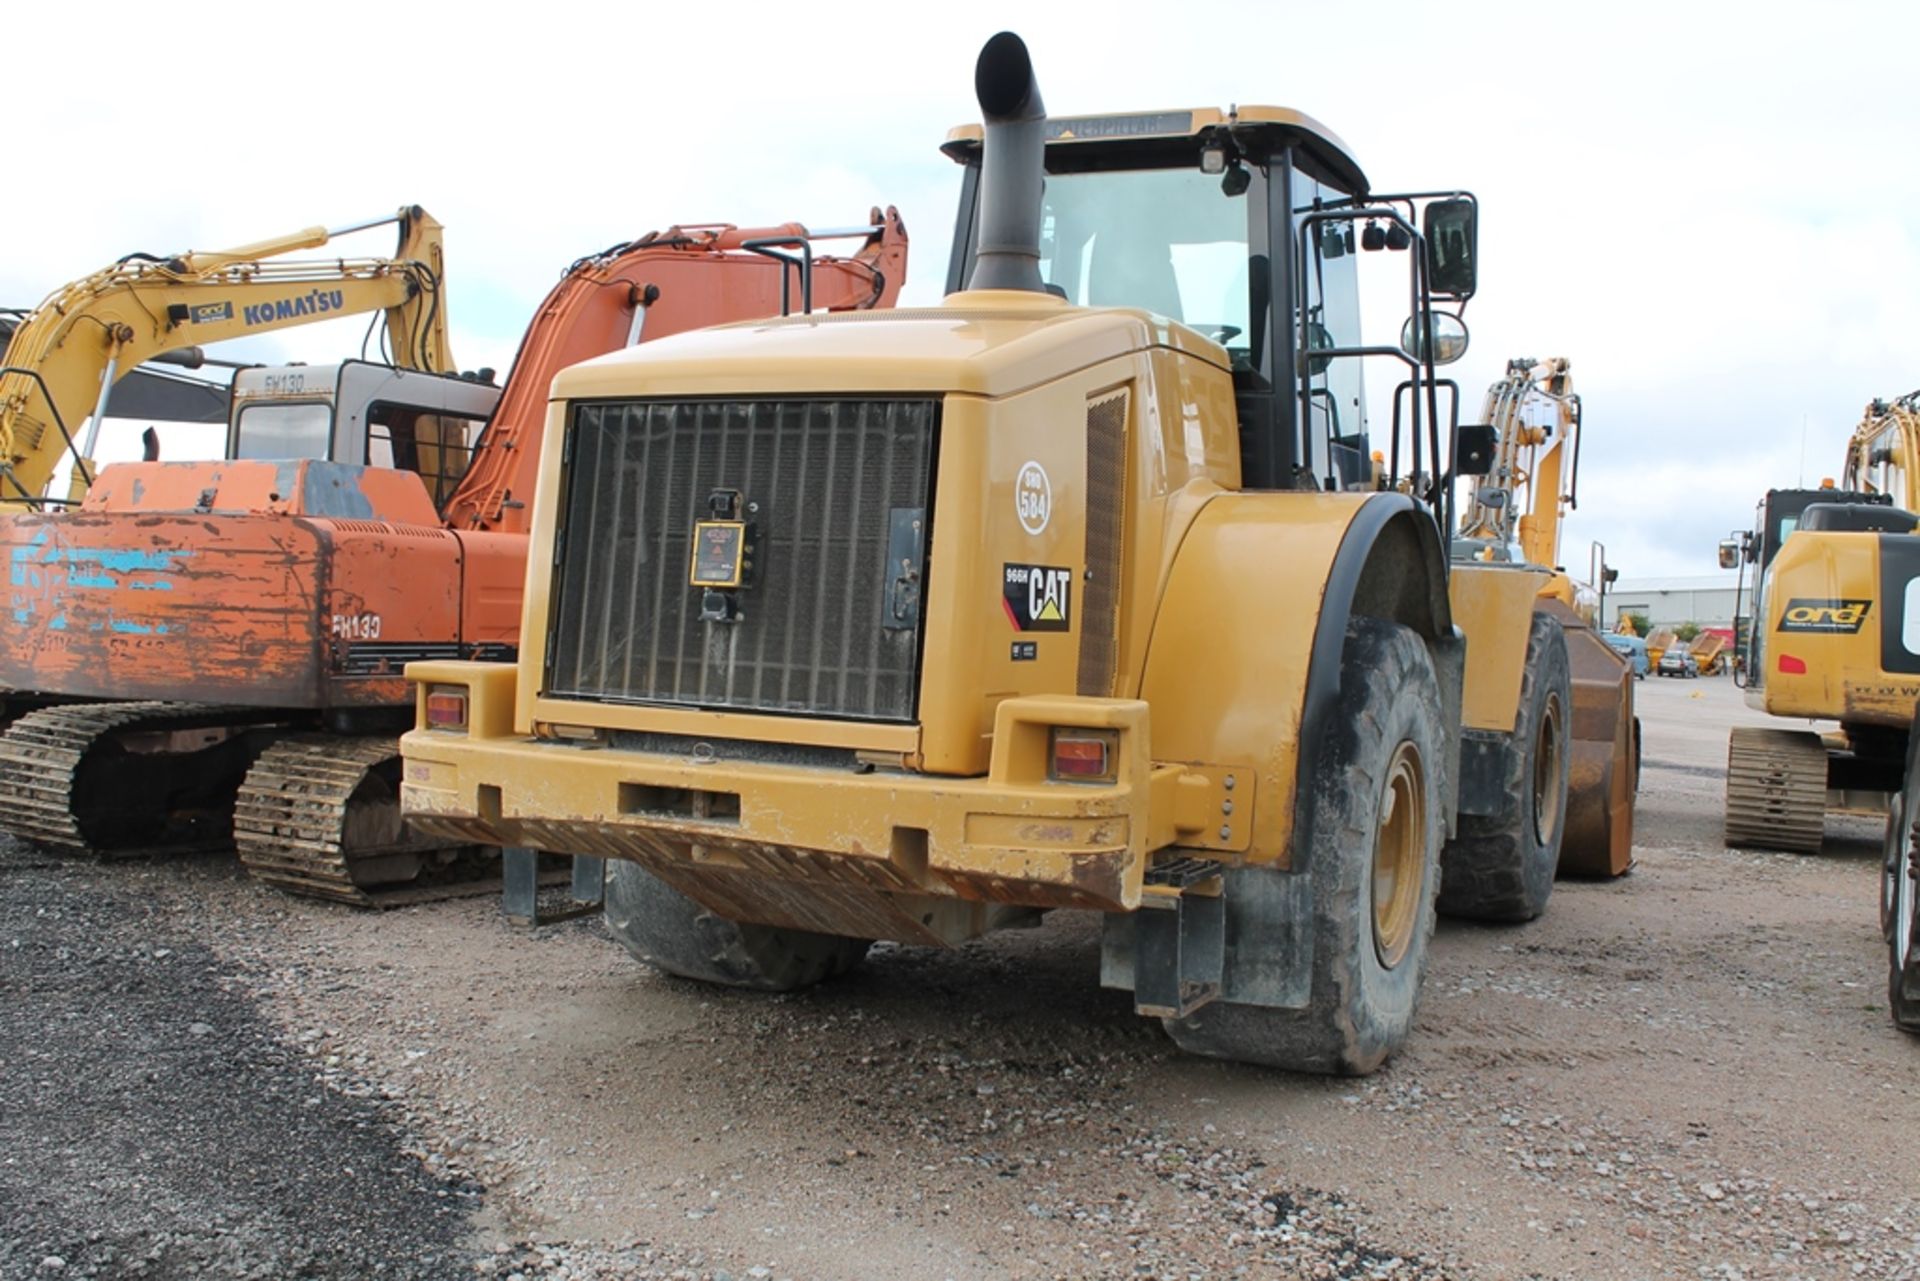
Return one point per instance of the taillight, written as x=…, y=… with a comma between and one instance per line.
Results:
x=447, y=707
x=1791, y=666
x=1084, y=755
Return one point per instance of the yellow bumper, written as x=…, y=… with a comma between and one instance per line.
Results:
x=826, y=847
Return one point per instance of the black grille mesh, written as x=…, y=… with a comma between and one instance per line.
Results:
x=1106, y=518
x=823, y=479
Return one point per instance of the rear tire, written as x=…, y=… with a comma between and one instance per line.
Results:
x=1500, y=867
x=1376, y=817
x=671, y=932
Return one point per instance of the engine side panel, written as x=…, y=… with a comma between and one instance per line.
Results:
x=120, y=606
x=1837, y=643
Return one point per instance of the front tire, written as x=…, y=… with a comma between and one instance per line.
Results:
x=1900, y=900
x=1375, y=814
x=669, y=931
x=1500, y=867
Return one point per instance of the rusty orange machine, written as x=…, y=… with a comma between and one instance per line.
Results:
x=224, y=640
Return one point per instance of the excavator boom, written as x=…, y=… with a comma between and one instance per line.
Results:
x=66, y=355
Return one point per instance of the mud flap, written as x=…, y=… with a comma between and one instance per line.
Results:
x=1262, y=923
x=521, y=879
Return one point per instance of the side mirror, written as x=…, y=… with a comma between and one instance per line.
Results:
x=1473, y=449
x=1319, y=338
x=1448, y=342
x=1451, y=229
x=1729, y=554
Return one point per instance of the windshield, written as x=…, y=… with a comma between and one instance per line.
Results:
x=1166, y=240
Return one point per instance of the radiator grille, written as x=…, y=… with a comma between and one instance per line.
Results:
x=1106, y=521
x=820, y=626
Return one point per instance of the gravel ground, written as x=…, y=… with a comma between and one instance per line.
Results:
x=1687, y=1073
x=153, y=1126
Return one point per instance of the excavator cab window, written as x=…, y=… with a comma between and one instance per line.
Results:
x=437, y=446
x=296, y=429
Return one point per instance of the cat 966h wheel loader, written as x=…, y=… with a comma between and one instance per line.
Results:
x=1075, y=591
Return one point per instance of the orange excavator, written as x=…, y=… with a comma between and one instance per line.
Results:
x=226, y=639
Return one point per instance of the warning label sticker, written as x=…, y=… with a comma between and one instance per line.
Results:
x=1038, y=598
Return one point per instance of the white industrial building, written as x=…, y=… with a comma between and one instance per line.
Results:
x=1706, y=599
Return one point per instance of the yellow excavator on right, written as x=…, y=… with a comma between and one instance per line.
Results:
x=1835, y=637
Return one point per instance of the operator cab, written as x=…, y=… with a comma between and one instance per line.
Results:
x=362, y=414
x=1204, y=217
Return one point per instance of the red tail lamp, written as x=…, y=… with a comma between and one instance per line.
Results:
x=1084, y=755
x=1791, y=666
x=447, y=707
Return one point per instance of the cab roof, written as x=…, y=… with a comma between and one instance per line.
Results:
x=1156, y=139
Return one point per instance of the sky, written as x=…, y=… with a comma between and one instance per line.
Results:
x=1711, y=208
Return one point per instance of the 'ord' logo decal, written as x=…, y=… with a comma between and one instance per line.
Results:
x=1826, y=616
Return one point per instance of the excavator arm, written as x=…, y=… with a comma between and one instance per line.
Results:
x=1530, y=487
x=1883, y=455
x=662, y=284
x=66, y=355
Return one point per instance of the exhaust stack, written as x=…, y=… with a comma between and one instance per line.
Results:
x=1012, y=167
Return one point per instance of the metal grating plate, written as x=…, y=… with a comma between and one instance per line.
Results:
x=817, y=629
x=1106, y=519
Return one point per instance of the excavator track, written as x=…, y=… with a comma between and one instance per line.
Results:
x=123, y=779
x=319, y=816
x=1776, y=790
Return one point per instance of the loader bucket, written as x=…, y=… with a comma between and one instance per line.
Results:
x=1605, y=770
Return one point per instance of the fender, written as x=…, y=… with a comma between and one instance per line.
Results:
x=1243, y=666
x=1254, y=697
x=1390, y=565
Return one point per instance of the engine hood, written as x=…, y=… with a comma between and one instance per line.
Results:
x=982, y=343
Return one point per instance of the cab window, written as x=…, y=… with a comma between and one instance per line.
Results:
x=1337, y=396
x=438, y=446
x=283, y=431
x=1169, y=241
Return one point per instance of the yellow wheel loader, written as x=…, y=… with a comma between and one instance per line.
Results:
x=1513, y=516
x=1079, y=590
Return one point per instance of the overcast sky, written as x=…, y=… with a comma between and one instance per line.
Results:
x=1713, y=209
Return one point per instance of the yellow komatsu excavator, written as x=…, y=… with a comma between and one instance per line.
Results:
x=1514, y=514
x=64, y=357
x=1835, y=638
x=1074, y=592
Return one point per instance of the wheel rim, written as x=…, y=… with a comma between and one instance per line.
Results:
x=1399, y=855
x=1546, y=773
